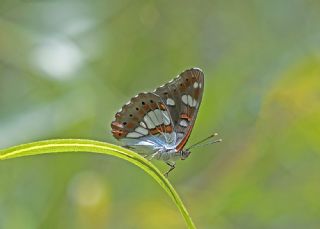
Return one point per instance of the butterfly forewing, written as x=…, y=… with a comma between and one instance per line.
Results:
x=183, y=97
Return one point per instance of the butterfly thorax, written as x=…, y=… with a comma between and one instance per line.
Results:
x=172, y=155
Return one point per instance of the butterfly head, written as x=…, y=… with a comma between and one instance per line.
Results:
x=184, y=154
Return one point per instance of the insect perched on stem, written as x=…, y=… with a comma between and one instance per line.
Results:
x=158, y=124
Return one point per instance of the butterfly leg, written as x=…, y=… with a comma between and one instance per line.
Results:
x=153, y=155
x=144, y=155
x=172, y=167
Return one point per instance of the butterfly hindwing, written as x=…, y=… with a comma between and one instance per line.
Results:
x=144, y=120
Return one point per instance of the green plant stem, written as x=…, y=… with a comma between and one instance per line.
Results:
x=84, y=145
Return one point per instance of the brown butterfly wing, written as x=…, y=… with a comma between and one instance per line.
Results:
x=182, y=97
x=144, y=120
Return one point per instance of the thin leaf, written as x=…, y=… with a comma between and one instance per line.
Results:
x=83, y=145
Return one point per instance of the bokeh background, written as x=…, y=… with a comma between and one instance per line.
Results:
x=67, y=66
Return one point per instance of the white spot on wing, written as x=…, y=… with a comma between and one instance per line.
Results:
x=133, y=135
x=200, y=85
x=184, y=99
x=148, y=121
x=141, y=130
x=194, y=103
x=195, y=85
x=170, y=102
x=143, y=124
x=153, y=117
x=159, y=115
x=166, y=119
x=183, y=123
x=190, y=100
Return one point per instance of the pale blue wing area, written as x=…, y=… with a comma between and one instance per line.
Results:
x=142, y=139
x=152, y=143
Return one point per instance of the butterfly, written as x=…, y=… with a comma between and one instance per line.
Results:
x=158, y=124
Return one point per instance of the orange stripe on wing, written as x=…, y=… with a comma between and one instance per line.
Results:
x=185, y=116
x=168, y=129
x=184, y=140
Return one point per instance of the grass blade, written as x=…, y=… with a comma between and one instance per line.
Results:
x=83, y=145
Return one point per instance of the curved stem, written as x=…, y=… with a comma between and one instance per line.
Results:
x=84, y=145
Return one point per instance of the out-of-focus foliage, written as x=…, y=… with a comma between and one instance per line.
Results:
x=67, y=66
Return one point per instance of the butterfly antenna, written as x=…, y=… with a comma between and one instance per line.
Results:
x=205, y=141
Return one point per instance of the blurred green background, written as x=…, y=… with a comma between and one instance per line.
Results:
x=67, y=66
